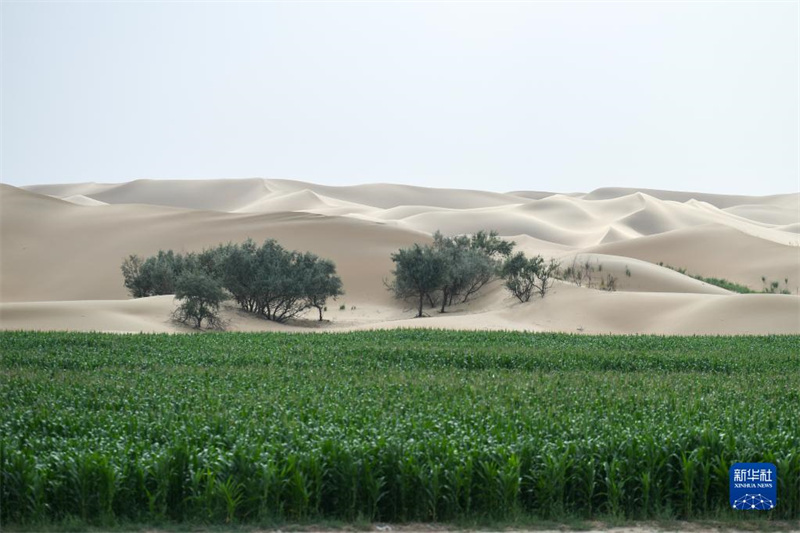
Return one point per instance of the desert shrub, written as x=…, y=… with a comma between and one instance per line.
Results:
x=579, y=272
x=773, y=286
x=725, y=284
x=547, y=274
x=719, y=282
x=211, y=261
x=584, y=273
x=279, y=284
x=526, y=276
x=239, y=275
x=200, y=296
x=519, y=273
x=131, y=273
x=158, y=274
x=469, y=264
x=448, y=271
x=608, y=283
x=491, y=244
x=321, y=282
x=419, y=272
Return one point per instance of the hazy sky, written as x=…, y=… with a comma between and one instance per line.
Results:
x=502, y=96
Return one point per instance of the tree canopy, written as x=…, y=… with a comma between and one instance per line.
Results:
x=449, y=270
x=269, y=280
x=200, y=296
x=526, y=276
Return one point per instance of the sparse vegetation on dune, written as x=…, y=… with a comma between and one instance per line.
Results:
x=397, y=425
x=769, y=286
x=585, y=273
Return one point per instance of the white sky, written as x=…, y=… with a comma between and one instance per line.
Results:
x=562, y=96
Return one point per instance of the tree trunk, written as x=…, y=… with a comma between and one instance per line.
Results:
x=320, y=313
x=421, y=301
x=444, y=300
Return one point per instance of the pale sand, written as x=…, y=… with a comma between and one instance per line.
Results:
x=61, y=247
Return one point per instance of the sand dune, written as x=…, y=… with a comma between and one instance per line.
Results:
x=218, y=195
x=634, y=275
x=568, y=309
x=61, y=247
x=766, y=214
x=148, y=315
x=715, y=251
x=719, y=200
x=80, y=199
x=573, y=310
x=54, y=250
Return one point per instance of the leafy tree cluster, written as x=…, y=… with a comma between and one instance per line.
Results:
x=200, y=296
x=159, y=274
x=452, y=269
x=268, y=280
x=278, y=283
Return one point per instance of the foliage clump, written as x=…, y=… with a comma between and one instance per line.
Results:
x=419, y=272
x=268, y=280
x=279, y=284
x=526, y=276
x=450, y=270
x=200, y=296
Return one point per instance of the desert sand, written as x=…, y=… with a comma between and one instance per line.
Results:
x=61, y=247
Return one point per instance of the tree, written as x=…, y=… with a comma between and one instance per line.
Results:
x=212, y=260
x=547, y=274
x=200, y=296
x=419, y=271
x=519, y=273
x=491, y=244
x=466, y=269
x=131, y=272
x=473, y=270
x=239, y=275
x=160, y=273
x=450, y=251
x=451, y=269
x=523, y=276
x=470, y=263
x=154, y=275
x=321, y=281
x=278, y=284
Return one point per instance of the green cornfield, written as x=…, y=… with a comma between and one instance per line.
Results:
x=395, y=426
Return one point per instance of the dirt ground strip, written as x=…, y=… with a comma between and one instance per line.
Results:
x=747, y=526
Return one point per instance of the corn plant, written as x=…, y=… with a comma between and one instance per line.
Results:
x=402, y=425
